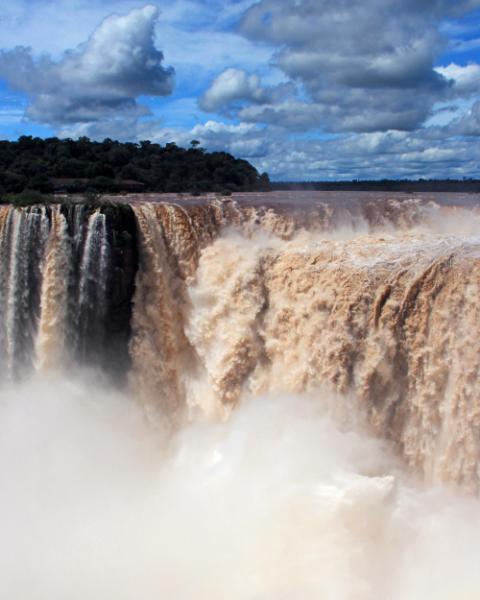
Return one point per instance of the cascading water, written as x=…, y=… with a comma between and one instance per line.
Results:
x=56, y=286
x=372, y=299
x=23, y=236
x=51, y=343
x=92, y=285
x=292, y=354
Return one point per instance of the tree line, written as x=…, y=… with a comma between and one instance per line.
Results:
x=83, y=165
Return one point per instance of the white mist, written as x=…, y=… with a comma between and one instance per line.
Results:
x=276, y=503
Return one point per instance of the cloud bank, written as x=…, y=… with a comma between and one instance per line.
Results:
x=362, y=67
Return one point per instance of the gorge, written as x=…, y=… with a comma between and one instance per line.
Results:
x=333, y=335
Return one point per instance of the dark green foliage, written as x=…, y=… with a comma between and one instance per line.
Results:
x=69, y=166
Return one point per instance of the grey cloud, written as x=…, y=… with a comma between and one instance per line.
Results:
x=365, y=66
x=100, y=79
x=293, y=115
x=359, y=111
x=296, y=22
x=468, y=124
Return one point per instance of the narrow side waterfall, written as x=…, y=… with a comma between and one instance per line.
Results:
x=94, y=274
x=66, y=280
x=23, y=239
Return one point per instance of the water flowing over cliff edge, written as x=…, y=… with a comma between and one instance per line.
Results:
x=207, y=301
x=264, y=396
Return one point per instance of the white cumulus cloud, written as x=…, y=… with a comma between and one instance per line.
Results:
x=234, y=86
x=466, y=78
x=100, y=79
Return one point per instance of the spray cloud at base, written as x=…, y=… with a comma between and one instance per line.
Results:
x=274, y=503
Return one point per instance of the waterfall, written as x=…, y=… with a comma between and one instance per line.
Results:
x=91, y=305
x=390, y=320
x=55, y=280
x=199, y=304
x=23, y=235
x=51, y=343
x=158, y=342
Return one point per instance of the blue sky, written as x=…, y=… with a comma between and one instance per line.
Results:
x=304, y=89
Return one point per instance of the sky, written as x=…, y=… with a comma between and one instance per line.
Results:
x=303, y=89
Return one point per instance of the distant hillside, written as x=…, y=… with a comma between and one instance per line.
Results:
x=384, y=185
x=54, y=165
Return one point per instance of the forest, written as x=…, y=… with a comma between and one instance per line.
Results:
x=71, y=166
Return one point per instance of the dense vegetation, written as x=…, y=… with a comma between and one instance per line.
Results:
x=49, y=165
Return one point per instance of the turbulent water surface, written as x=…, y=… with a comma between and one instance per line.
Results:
x=264, y=396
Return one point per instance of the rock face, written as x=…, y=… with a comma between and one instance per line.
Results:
x=122, y=228
x=203, y=302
